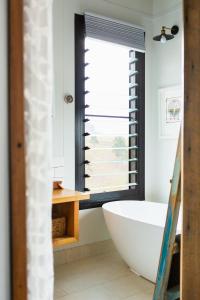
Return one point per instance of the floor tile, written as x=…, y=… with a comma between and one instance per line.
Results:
x=141, y=296
x=102, y=277
x=95, y=293
x=59, y=293
x=125, y=286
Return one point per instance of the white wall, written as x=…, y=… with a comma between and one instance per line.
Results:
x=162, y=7
x=159, y=156
x=4, y=201
x=167, y=71
x=92, y=225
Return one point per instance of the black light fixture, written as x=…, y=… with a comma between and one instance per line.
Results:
x=164, y=37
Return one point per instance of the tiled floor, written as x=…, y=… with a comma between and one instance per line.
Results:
x=102, y=277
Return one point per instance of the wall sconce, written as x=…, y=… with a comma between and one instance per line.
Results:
x=164, y=37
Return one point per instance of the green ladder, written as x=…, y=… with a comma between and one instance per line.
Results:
x=168, y=276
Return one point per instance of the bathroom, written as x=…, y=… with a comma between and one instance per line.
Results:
x=90, y=266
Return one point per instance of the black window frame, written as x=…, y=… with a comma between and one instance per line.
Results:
x=97, y=200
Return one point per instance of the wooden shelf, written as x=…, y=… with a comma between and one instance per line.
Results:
x=66, y=195
x=66, y=204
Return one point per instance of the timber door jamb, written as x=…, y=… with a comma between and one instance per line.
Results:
x=17, y=151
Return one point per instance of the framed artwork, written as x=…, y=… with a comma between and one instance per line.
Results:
x=170, y=111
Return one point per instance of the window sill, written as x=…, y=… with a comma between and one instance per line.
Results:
x=97, y=200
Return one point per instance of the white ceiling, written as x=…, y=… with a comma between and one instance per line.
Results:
x=148, y=7
x=143, y=6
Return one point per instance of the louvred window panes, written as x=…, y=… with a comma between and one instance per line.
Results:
x=110, y=117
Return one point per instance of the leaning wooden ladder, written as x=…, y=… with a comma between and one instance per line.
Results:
x=169, y=245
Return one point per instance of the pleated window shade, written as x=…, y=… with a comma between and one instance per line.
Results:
x=115, y=31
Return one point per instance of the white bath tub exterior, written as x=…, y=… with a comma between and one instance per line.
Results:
x=136, y=228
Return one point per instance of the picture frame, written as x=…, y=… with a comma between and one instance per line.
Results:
x=170, y=111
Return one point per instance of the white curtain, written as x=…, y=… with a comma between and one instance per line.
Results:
x=38, y=67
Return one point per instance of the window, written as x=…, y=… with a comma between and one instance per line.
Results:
x=109, y=115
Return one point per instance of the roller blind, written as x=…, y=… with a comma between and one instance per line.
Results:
x=114, y=31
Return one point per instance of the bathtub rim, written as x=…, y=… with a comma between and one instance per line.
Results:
x=136, y=220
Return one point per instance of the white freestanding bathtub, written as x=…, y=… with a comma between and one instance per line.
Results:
x=136, y=228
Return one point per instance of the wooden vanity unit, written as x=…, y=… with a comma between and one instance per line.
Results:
x=66, y=207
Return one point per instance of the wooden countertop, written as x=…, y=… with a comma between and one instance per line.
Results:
x=66, y=195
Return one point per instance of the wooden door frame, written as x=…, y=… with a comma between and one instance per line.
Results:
x=17, y=151
x=190, y=258
x=190, y=247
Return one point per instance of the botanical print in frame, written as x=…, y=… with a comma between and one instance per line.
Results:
x=170, y=111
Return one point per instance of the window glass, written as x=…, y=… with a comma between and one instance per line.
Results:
x=111, y=130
